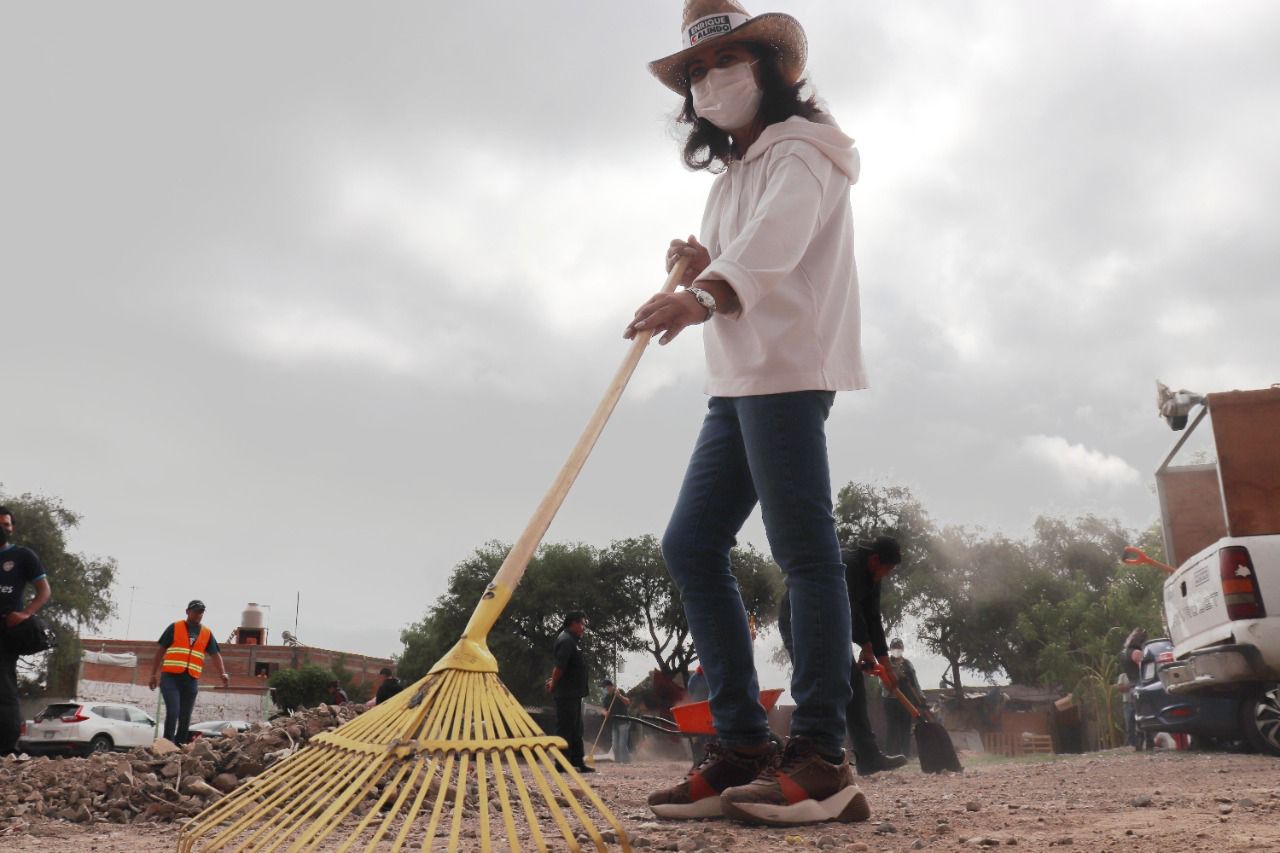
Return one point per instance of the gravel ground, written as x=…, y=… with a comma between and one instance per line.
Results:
x=1110, y=801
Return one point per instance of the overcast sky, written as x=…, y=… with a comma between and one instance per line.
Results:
x=315, y=298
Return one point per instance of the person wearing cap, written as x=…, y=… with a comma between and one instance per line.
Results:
x=898, y=740
x=568, y=687
x=615, y=706
x=772, y=282
x=185, y=646
x=866, y=566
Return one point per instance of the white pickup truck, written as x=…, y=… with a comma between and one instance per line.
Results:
x=1222, y=536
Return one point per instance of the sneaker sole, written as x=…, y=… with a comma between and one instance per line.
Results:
x=704, y=808
x=846, y=806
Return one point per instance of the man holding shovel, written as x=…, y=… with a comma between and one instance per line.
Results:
x=865, y=567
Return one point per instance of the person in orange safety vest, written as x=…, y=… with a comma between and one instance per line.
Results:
x=184, y=647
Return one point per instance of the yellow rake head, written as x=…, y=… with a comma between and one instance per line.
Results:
x=453, y=762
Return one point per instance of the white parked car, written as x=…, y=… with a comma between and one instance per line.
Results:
x=216, y=728
x=85, y=727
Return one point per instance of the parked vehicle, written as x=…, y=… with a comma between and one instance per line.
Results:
x=83, y=728
x=1222, y=533
x=1207, y=718
x=216, y=728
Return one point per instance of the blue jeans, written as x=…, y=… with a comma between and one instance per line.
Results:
x=621, y=741
x=179, y=692
x=770, y=449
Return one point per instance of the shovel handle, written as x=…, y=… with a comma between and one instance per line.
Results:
x=878, y=671
x=1135, y=557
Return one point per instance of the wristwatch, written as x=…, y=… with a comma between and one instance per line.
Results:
x=705, y=299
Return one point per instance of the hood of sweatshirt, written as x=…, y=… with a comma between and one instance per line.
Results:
x=821, y=133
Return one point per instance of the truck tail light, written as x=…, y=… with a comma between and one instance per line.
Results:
x=77, y=717
x=22, y=729
x=1164, y=657
x=1240, y=584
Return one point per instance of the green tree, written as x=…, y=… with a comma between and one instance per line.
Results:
x=648, y=594
x=304, y=687
x=80, y=585
x=864, y=511
x=560, y=578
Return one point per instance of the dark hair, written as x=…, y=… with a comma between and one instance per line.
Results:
x=708, y=147
x=386, y=670
x=573, y=616
x=4, y=510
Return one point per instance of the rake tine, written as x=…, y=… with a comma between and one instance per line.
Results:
x=535, y=829
x=587, y=824
x=322, y=818
x=441, y=795
x=557, y=814
x=482, y=791
x=508, y=818
x=423, y=789
x=392, y=787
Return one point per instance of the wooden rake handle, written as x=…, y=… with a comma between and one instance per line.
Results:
x=513, y=567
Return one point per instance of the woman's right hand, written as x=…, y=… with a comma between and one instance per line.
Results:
x=699, y=258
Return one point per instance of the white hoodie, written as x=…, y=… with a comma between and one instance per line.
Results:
x=780, y=230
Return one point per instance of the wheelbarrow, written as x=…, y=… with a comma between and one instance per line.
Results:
x=693, y=719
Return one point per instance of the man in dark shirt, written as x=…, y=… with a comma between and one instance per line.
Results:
x=389, y=686
x=865, y=567
x=19, y=566
x=568, y=686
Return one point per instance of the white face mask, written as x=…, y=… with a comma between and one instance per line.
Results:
x=728, y=97
x=895, y=653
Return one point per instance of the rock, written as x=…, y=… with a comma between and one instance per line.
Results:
x=1225, y=810
x=985, y=841
x=972, y=806
x=918, y=844
x=886, y=828
x=195, y=786
x=171, y=769
x=225, y=782
x=795, y=840
x=1141, y=801
x=688, y=845
x=640, y=841
x=1246, y=803
x=860, y=847
x=827, y=841
x=161, y=746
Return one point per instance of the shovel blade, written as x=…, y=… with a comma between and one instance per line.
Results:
x=935, y=749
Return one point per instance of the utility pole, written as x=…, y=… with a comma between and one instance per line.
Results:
x=129, y=622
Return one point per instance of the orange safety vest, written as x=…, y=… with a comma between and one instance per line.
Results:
x=184, y=655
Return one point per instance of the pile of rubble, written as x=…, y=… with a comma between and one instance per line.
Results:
x=162, y=782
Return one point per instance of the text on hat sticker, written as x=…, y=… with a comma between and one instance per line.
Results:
x=713, y=25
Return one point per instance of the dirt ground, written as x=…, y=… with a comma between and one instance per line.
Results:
x=1119, y=800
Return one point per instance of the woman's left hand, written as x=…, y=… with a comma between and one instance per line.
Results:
x=668, y=313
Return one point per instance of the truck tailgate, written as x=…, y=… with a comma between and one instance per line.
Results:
x=1196, y=608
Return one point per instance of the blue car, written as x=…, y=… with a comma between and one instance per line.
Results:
x=1206, y=718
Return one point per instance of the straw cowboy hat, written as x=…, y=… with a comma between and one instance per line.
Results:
x=726, y=20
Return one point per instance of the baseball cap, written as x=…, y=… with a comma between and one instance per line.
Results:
x=195, y=604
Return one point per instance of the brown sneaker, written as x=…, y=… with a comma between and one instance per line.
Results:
x=801, y=787
x=698, y=796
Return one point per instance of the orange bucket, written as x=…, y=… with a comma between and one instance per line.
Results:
x=694, y=718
